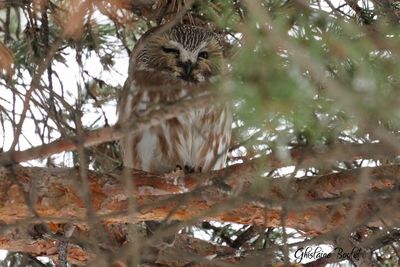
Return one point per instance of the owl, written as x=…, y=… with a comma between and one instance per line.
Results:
x=165, y=66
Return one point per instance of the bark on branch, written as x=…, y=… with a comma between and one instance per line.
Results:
x=236, y=194
x=184, y=250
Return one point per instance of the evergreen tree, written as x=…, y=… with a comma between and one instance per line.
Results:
x=313, y=171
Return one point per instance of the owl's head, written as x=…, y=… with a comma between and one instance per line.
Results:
x=185, y=52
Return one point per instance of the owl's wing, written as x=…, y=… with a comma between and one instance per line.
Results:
x=124, y=103
x=145, y=88
x=135, y=97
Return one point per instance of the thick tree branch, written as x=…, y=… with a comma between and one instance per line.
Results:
x=113, y=242
x=316, y=204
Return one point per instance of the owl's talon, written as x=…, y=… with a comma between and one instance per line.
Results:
x=188, y=169
x=176, y=174
x=178, y=168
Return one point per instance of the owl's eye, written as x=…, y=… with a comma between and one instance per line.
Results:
x=203, y=54
x=170, y=50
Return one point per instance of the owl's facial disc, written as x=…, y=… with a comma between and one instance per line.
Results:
x=184, y=52
x=186, y=61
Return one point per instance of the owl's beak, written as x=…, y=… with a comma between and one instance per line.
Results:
x=187, y=68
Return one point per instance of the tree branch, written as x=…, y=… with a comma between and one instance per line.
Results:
x=113, y=241
x=315, y=204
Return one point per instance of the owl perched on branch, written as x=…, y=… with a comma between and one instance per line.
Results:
x=166, y=66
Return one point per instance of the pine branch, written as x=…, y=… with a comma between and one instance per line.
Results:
x=56, y=195
x=112, y=240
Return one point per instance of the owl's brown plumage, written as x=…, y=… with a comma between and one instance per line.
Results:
x=166, y=67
